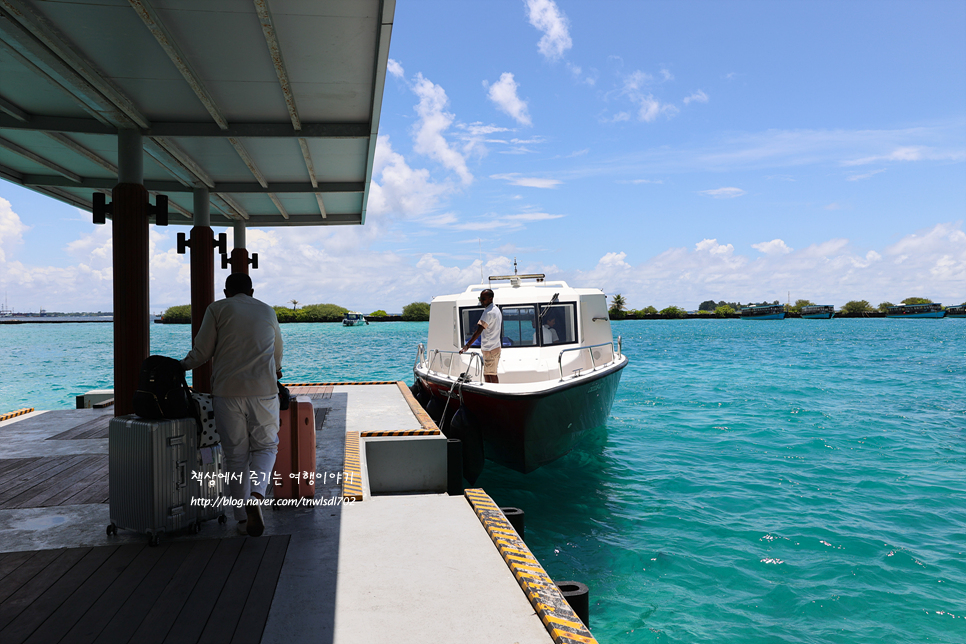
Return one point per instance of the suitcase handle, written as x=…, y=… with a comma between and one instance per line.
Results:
x=176, y=440
x=182, y=474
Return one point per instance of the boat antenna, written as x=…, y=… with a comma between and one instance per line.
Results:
x=481, y=259
x=514, y=265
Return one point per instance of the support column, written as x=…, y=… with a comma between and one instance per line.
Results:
x=239, y=255
x=202, y=279
x=132, y=342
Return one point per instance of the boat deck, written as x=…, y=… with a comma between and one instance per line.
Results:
x=410, y=567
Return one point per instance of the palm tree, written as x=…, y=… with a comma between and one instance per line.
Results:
x=295, y=304
x=618, y=303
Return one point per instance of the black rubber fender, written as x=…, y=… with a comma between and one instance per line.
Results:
x=465, y=428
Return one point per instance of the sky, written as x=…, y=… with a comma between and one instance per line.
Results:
x=670, y=151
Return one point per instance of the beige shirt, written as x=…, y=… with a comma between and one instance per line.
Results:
x=242, y=336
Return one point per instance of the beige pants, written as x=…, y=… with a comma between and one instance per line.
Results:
x=490, y=361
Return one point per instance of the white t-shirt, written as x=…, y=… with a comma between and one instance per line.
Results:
x=492, y=323
x=549, y=335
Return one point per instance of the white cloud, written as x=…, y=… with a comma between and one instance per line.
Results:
x=503, y=93
x=397, y=188
x=530, y=182
x=648, y=107
x=666, y=75
x=432, y=124
x=724, y=193
x=11, y=228
x=909, y=153
x=773, y=247
x=833, y=206
x=394, y=68
x=859, y=177
x=929, y=263
x=547, y=18
x=697, y=97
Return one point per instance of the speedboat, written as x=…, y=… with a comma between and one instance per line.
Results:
x=554, y=385
x=354, y=318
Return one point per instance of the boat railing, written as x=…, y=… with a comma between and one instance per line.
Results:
x=420, y=355
x=593, y=361
x=473, y=358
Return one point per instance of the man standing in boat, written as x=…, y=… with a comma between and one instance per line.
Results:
x=490, y=327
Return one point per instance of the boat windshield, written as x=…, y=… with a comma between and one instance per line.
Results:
x=520, y=322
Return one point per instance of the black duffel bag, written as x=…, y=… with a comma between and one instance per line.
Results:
x=162, y=390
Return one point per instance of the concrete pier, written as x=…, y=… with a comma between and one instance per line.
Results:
x=407, y=563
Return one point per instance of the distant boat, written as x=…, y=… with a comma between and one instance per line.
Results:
x=956, y=311
x=930, y=310
x=764, y=312
x=818, y=312
x=354, y=318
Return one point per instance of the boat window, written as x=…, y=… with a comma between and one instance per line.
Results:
x=519, y=326
x=558, y=323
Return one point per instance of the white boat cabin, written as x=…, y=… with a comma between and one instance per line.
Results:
x=575, y=335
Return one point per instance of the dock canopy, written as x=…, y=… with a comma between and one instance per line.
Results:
x=273, y=107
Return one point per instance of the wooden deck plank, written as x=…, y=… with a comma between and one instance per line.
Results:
x=45, y=469
x=52, y=570
x=10, y=561
x=76, y=604
x=16, y=483
x=108, y=621
x=20, y=617
x=190, y=622
x=26, y=571
x=93, y=488
x=96, y=473
x=48, y=486
x=254, y=615
x=158, y=621
x=10, y=468
x=94, y=428
x=227, y=610
x=72, y=482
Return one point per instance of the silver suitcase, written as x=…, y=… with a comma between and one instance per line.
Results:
x=155, y=469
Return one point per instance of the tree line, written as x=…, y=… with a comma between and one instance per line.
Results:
x=619, y=310
x=415, y=312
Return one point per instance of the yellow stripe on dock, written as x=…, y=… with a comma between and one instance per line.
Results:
x=20, y=412
x=352, y=478
x=402, y=432
x=424, y=420
x=556, y=614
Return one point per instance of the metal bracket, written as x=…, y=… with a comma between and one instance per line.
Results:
x=254, y=260
x=224, y=261
x=221, y=243
x=101, y=208
x=159, y=210
x=183, y=243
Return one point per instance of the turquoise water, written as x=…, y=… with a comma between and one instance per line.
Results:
x=795, y=481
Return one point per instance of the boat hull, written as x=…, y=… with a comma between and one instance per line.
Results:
x=818, y=316
x=929, y=314
x=527, y=431
x=773, y=316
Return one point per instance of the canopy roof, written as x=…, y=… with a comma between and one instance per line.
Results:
x=273, y=106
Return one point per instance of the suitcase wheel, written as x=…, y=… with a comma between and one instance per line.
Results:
x=196, y=527
x=154, y=540
x=111, y=530
x=223, y=519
